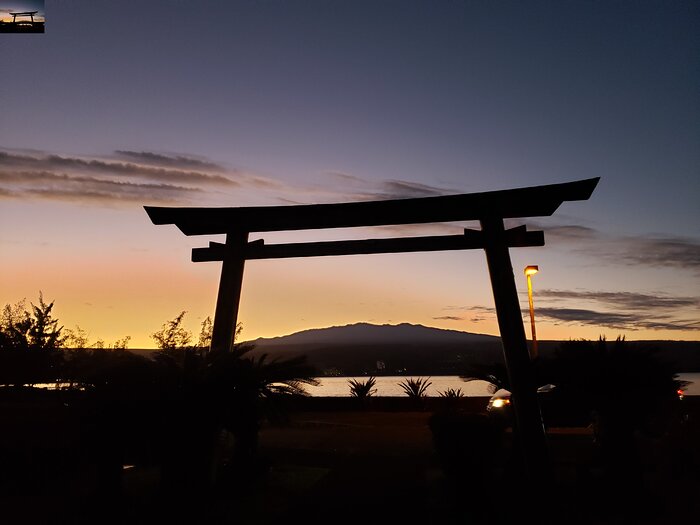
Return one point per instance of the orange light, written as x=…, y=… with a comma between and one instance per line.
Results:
x=531, y=270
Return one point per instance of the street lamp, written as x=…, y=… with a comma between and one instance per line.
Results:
x=529, y=272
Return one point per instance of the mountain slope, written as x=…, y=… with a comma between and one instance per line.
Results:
x=366, y=333
x=366, y=348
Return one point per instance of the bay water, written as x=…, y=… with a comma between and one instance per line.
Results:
x=388, y=386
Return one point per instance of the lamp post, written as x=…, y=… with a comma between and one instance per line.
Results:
x=529, y=272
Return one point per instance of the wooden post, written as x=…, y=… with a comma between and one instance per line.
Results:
x=529, y=430
x=228, y=299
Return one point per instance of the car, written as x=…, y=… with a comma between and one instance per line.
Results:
x=500, y=407
x=558, y=408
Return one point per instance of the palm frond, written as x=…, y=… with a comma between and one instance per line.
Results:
x=415, y=387
x=452, y=393
x=362, y=389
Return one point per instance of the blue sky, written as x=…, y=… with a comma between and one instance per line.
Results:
x=267, y=102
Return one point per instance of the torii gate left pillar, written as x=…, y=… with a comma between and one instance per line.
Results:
x=229, y=296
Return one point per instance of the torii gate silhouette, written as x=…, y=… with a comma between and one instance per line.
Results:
x=489, y=208
x=24, y=13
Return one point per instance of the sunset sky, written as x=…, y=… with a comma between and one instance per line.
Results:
x=21, y=6
x=212, y=103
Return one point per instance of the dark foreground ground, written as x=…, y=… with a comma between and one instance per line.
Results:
x=371, y=465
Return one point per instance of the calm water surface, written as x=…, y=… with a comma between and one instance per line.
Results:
x=388, y=386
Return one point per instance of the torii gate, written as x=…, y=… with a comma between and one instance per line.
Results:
x=24, y=13
x=489, y=208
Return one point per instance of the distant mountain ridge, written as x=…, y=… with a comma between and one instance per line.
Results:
x=367, y=333
x=365, y=348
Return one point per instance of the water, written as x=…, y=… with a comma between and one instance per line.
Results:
x=388, y=386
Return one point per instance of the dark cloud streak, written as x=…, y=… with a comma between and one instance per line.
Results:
x=617, y=320
x=658, y=251
x=174, y=161
x=49, y=185
x=643, y=250
x=57, y=163
x=629, y=300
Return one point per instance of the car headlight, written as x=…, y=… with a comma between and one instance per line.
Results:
x=500, y=403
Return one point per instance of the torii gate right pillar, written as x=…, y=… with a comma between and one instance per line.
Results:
x=530, y=435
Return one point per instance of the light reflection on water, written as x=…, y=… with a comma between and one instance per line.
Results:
x=388, y=386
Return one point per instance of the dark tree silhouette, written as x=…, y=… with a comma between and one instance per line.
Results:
x=249, y=389
x=495, y=374
x=30, y=343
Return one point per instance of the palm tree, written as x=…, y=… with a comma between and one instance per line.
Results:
x=495, y=374
x=248, y=389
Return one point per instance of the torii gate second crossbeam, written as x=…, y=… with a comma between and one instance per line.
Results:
x=489, y=208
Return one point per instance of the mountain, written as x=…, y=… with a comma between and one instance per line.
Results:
x=365, y=348
x=384, y=349
x=372, y=334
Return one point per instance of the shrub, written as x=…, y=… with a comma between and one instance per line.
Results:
x=362, y=389
x=415, y=388
x=452, y=393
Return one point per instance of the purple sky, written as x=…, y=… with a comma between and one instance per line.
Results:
x=121, y=104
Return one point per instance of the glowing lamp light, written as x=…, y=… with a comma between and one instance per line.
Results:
x=531, y=270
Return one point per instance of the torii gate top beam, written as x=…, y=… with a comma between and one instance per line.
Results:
x=535, y=201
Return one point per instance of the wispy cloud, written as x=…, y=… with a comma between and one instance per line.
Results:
x=52, y=162
x=353, y=187
x=133, y=177
x=632, y=250
x=571, y=232
x=399, y=189
x=128, y=175
x=628, y=300
x=175, y=161
x=55, y=186
x=474, y=314
x=341, y=177
x=617, y=320
x=620, y=310
x=660, y=251
x=449, y=318
x=25, y=174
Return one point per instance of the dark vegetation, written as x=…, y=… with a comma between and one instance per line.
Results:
x=191, y=414
x=362, y=389
x=21, y=27
x=195, y=419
